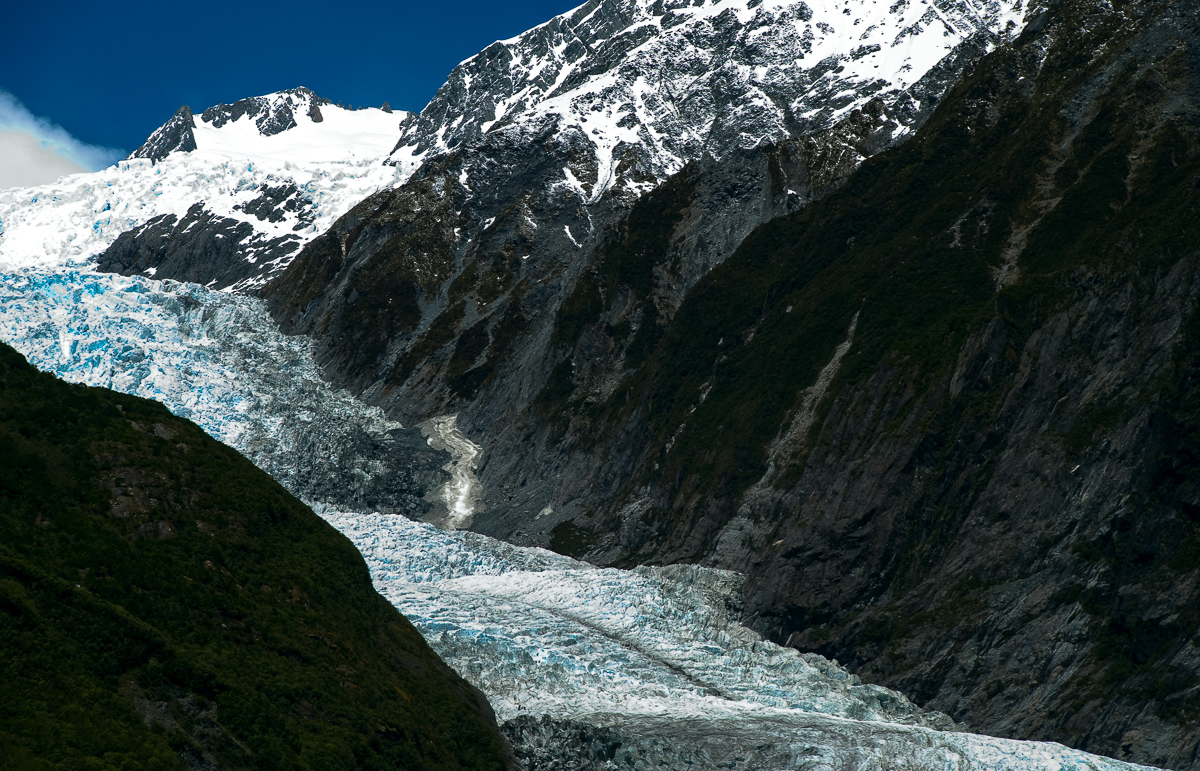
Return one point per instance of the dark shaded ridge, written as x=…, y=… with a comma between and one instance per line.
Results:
x=165, y=604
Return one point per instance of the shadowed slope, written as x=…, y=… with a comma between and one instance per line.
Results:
x=165, y=604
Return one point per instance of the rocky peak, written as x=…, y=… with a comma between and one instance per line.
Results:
x=272, y=113
x=175, y=134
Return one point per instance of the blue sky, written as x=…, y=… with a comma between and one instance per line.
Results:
x=109, y=74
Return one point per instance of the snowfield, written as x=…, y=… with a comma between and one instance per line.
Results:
x=335, y=164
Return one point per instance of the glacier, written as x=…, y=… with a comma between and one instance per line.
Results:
x=585, y=667
x=218, y=359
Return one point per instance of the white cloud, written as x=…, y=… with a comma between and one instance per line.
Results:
x=24, y=162
x=34, y=151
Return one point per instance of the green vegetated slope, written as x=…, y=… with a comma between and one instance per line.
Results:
x=165, y=604
x=944, y=418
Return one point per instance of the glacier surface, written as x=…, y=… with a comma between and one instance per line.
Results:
x=653, y=661
x=218, y=359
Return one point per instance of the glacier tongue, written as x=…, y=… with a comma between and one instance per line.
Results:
x=649, y=668
x=549, y=635
x=586, y=667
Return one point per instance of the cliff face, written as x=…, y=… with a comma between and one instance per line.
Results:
x=941, y=416
x=522, y=168
x=529, y=243
x=165, y=604
x=943, y=419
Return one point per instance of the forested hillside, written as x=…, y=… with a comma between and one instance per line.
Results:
x=165, y=604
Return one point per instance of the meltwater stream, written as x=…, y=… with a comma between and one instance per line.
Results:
x=586, y=667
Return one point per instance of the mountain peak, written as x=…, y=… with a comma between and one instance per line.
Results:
x=296, y=162
x=272, y=113
x=175, y=134
x=672, y=80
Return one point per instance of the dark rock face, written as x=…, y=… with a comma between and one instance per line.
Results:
x=445, y=292
x=523, y=249
x=431, y=325
x=175, y=134
x=272, y=114
x=274, y=202
x=942, y=417
x=203, y=247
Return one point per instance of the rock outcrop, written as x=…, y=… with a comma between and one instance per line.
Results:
x=272, y=114
x=176, y=135
x=206, y=248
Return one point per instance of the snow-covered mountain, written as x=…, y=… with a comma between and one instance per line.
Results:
x=258, y=179
x=628, y=90
x=513, y=177
x=650, y=84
